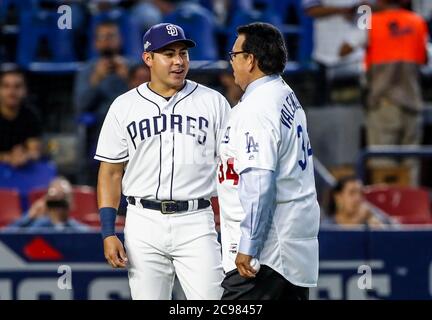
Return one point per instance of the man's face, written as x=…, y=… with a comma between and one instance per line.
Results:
x=107, y=39
x=12, y=90
x=58, y=200
x=169, y=65
x=240, y=63
x=351, y=197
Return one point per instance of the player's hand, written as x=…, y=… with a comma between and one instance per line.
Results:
x=102, y=69
x=345, y=50
x=114, y=252
x=38, y=208
x=243, y=265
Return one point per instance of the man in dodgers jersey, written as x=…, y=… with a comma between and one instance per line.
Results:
x=158, y=146
x=266, y=189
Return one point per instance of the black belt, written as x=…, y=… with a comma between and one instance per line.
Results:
x=169, y=206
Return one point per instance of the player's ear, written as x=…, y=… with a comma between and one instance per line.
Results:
x=252, y=62
x=147, y=58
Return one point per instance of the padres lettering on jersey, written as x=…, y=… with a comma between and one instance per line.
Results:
x=169, y=146
x=146, y=128
x=267, y=130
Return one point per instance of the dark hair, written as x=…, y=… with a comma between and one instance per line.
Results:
x=15, y=71
x=133, y=69
x=107, y=23
x=267, y=44
x=339, y=187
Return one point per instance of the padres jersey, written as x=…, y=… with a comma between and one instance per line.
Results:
x=169, y=146
x=268, y=130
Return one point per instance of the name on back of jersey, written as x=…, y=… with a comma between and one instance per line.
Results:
x=289, y=109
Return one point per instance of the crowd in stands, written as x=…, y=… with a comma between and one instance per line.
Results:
x=349, y=208
x=210, y=23
x=106, y=40
x=51, y=211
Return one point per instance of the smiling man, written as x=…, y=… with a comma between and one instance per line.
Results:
x=158, y=146
x=269, y=209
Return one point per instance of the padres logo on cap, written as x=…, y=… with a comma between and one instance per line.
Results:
x=172, y=30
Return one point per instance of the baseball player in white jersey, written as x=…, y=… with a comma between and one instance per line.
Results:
x=158, y=146
x=266, y=189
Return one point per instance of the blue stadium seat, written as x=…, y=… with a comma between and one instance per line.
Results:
x=37, y=24
x=208, y=4
x=33, y=175
x=10, y=208
x=275, y=12
x=19, y=5
x=407, y=204
x=242, y=17
x=306, y=29
x=234, y=5
x=199, y=25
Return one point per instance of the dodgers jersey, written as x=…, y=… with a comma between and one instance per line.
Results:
x=170, y=146
x=267, y=130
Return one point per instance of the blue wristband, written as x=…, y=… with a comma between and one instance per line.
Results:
x=107, y=218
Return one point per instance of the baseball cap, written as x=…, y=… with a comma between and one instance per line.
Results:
x=162, y=34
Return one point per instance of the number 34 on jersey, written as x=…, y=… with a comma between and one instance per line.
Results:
x=227, y=172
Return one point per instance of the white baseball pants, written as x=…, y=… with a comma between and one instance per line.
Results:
x=159, y=246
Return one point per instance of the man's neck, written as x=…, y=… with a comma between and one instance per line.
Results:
x=254, y=76
x=9, y=113
x=163, y=90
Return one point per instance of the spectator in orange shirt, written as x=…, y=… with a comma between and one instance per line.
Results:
x=395, y=50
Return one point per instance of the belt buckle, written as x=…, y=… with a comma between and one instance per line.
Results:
x=165, y=205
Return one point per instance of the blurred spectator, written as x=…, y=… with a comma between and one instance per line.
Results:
x=224, y=9
x=98, y=83
x=333, y=25
x=423, y=8
x=166, y=6
x=79, y=25
x=348, y=207
x=394, y=98
x=145, y=14
x=197, y=22
x=138, y=74
x=52, y=210
x=96, y=6
x=141, y=16
x=101, y=80
x=20, y=128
